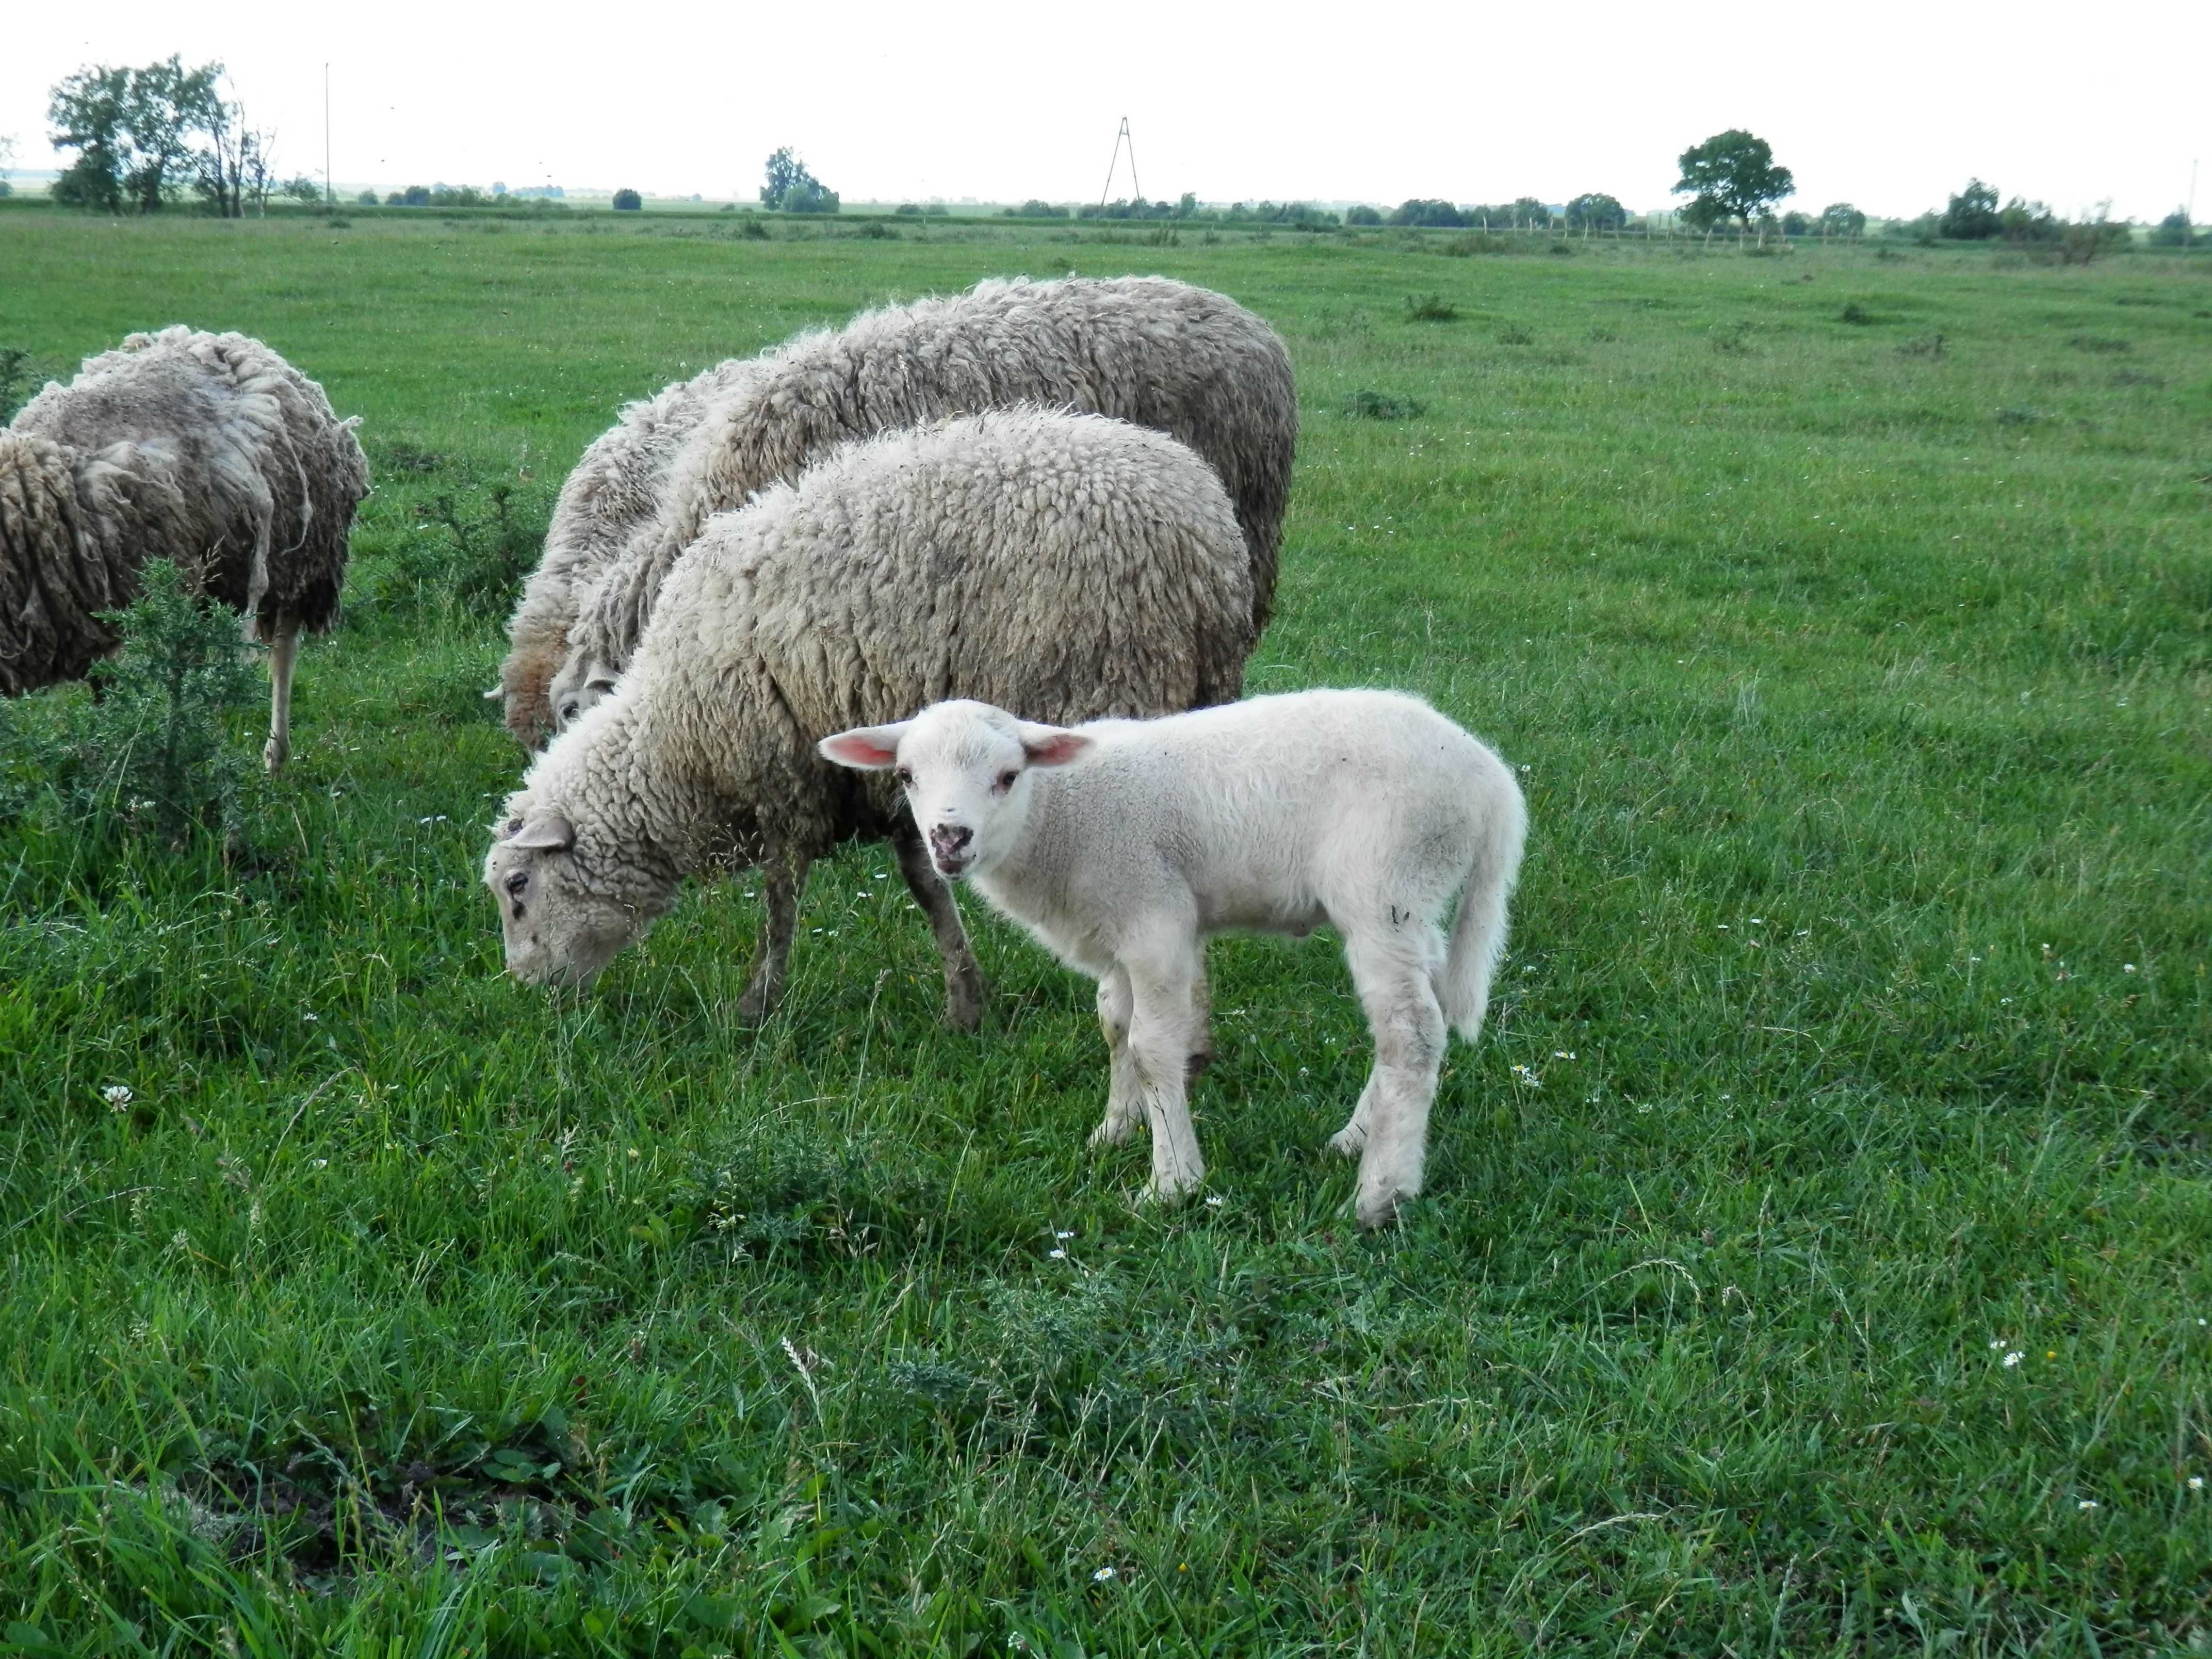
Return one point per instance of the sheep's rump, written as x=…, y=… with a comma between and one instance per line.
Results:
x=614, y=491
x=1145, y=350
x=209, y=449
x=1063, y=566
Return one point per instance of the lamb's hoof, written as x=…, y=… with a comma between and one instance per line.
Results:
x=275, y=753
x=1349, y=1141
x=1168, y=1191
x=1378, y=1206
x=1112, y=1129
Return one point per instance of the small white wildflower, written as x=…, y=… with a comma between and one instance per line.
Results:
x=1102, y=1575
x=1804, y=932
x=1758, y=922
x=1995, y=1346
x=2196, y=1483
x=1563, y=1053
x=2088, y=1503
x=2013, y=1360
x=1530, y=969
x=117, y=1096
x=1723, y=926
x=1057, y=1255
x=2127, y=967
x=2003, y=1000
x=1214, y=1201
x=181, y=1239
x=1528, y=1077
x=1973, y=958
x=1063, y=1234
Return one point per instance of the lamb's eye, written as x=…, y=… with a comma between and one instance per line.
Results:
x=517, y=882
x=1006, y=780
x=905, y=776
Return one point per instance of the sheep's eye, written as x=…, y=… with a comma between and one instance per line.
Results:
x=517, y=882
x=1006, y=780
x=513, y=826
x=905, y=776
x=568, y=711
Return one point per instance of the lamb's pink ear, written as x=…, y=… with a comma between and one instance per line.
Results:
x=865, y=748
x=550, y=833
x=1051, y=745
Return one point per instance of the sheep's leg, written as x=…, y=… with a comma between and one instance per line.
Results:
x=963, y=980
x=1352, y=1139
x=1201, y=1021
x=1125, y=1092
x=1393, y=976
x=283, y=649
x=1160, y=1038
x=783, y=879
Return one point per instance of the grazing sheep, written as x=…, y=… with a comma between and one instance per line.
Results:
x=1122, y=844
x=1182, y=360
x=209, y=449
x=1066, y=563
x=615, y=491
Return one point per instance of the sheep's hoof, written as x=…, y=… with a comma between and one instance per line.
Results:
x=1378, y=1205
x=753, y=1007
x=1349, y=1141
x=1168, y=1191
x=275, y=753
x=1114, y=1128
x=963, y=1004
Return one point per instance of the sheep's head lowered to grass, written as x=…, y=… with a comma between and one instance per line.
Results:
x=563, y=919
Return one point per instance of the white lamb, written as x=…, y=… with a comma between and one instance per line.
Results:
x=1122, y=844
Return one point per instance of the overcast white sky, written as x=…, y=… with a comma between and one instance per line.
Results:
x=1891, y=104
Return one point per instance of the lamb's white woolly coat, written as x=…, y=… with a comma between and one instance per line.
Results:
x=1122, y=844
x=207, y=449
x=1066, y=563
x=613, y=493
x=1161, y=354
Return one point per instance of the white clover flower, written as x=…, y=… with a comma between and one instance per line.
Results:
x=1063, y=1234
x=2196, y=1483
x=1214, y=1201
x=2127, y=967
x=2088, y=1503
x=117, y=1096
x=1057, y=1255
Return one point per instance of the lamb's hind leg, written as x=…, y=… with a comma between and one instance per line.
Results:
x=963, y=980
x=783, y=879
x=283, y=650
x=1393, y=976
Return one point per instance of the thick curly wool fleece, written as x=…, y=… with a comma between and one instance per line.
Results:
x=1161, y=354
x=615, y=492
x=209, y=449
x=1067, y=566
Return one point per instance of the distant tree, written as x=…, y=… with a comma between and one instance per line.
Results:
x=1427, y=211
x=1842, y=219
x=1186, y=205
x=1796, y=224
x=235, y=166
x=1362, y=215
x=628, y=201
x=499, y=187
x=1528, y=211
x=791, y=189
x=1596, y=212
x=307, y=193
x=1973, y=214
x=1731, y=175
x=133, y=130
x=366, y=199
x=2023, y=220
x=2173, y=231
x=413, y=196
x=1033, y=208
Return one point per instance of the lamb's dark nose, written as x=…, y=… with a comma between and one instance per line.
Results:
x=950, y=842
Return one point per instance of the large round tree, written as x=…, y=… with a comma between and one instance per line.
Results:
x=1731, y=175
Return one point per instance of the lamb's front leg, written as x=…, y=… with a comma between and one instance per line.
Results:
x=1125, y=1102
x=963, y=980
x=1160, y=1038
x=783, y=879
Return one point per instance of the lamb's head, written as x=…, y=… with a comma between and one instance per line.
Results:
x=563, y=919
x=582, y=683
x=965, y=767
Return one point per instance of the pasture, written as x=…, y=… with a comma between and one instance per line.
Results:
x=1817, y=1252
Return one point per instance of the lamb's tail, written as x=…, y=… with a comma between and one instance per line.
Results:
x=1478, y=935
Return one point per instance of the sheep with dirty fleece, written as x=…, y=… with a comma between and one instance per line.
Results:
x=1068, y=563
x=1161, y=354
x=207, y=449
x=1122, y=844
x=612, y=493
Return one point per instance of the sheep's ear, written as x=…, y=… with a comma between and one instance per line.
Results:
x=552, y=834
x=1050, y=745
x=865, y=748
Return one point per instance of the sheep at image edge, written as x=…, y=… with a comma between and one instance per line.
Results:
x=207, y=449
x=615, y=491
x=1161, y=354
x=1069, y=564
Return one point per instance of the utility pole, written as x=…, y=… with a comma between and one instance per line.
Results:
x=330, y=197
x=1119, y=138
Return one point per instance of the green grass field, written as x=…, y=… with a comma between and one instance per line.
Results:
x=1815, y=1253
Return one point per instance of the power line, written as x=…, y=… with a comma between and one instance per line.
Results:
x=1119, y=138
